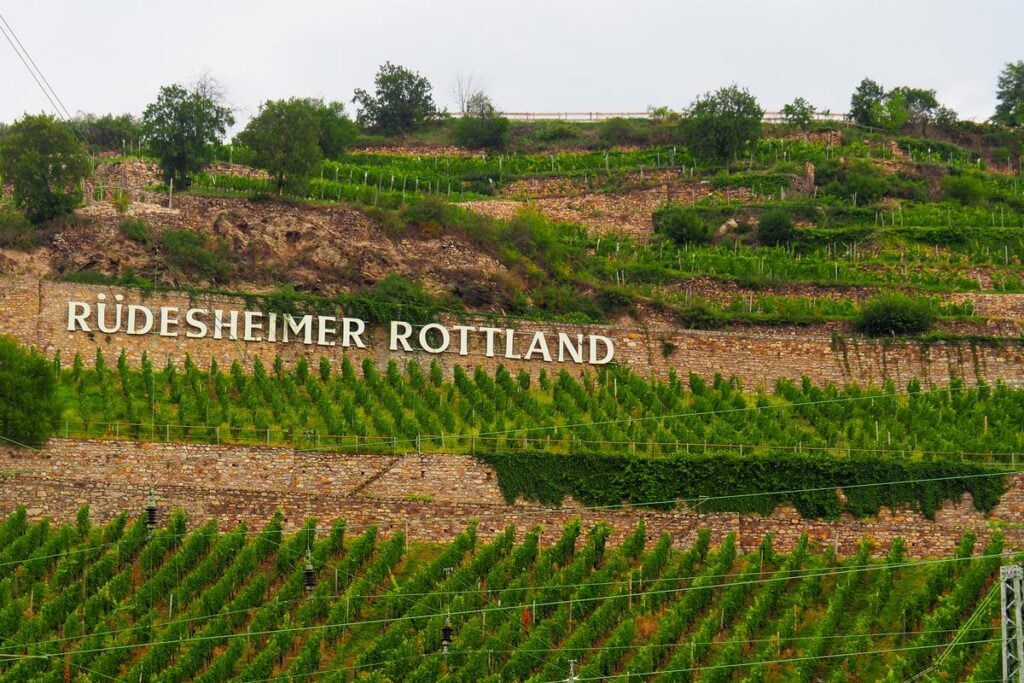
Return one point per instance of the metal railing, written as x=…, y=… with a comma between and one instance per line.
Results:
x=769, y=116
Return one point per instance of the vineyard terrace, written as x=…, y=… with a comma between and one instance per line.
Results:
x=116, y=317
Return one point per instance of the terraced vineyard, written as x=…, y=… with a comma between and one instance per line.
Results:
x=898, y=235
x=611, y=411
x=88, y=603
x=807, y=231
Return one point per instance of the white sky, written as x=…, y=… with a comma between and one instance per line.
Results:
x=552, y=55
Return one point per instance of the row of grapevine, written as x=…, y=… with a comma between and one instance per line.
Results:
x=209, y=606
x=612, y=411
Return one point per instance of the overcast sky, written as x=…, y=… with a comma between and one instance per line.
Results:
x=535, y=55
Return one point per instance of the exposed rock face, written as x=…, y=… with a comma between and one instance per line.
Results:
x=322, y=250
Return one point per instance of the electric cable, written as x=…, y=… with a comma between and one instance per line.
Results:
x=63, y=111
x=483, y=610
x=611, y=506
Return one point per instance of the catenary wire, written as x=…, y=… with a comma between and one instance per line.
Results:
x=483, y=610
x=610, y=506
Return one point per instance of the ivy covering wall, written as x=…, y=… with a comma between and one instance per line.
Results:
x=808, y=482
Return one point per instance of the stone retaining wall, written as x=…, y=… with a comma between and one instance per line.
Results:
x=35, y=313
x=431, y=497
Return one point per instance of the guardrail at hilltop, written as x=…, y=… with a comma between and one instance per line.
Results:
x=769, y=116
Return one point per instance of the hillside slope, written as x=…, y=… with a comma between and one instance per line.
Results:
x=341, y=603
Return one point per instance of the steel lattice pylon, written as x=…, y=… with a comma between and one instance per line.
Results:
x=1011, y=596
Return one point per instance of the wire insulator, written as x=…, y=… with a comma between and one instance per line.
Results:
x=308, y=575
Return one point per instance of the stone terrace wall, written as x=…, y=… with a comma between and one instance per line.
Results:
x=431, y=497
x=35, y=312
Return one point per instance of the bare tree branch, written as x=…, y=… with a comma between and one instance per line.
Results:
x=464, y=88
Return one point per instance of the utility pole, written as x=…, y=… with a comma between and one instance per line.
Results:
x=1011, y=589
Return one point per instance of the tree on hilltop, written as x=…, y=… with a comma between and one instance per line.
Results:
x=108, y=132
x=401, y=102
x=337, y=131
x=464, y=88
x=921, y=105
x=1010, y=95
x=799, y=113
x=872, y=105
x=45, y=163
x=718, y=125
x=285, y=140
x=867, y=96
x=182, y=127
x=482, y=125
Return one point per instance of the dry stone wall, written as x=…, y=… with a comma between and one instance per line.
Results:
x=36, y=313
x=430, y=497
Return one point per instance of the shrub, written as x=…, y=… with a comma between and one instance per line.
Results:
x=616, y=301
x=621, y=131
x=137, y=230
x=90, y=276
x=680, y=224
x=964, y=189
x=895, y=314
x=699, y=315
x=552, y=131
x=865, y=183
x=563, y=300
x=428, y=214
x=482, y=132
x=15, y=230
x=121, y=202
x=28, y=400
x=775, y=228
x=188, y=250
x=396, y=298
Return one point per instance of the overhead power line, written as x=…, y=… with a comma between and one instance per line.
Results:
x=490, y=609
x=477, y=515
x=34, y=70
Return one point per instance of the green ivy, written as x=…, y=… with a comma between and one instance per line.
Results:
x=725, y=479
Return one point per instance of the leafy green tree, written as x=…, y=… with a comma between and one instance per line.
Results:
x=866, y=97
x=337, y=131
x=181, y=129
x=108, y=132
x=719, y=124
x=401, y=103
x=45, y=163
x=285, y=140
x=891, y=113
x=920, y=105
x=1010, y=95
x=28, y=395
x=799, y=112
x=481, y=125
